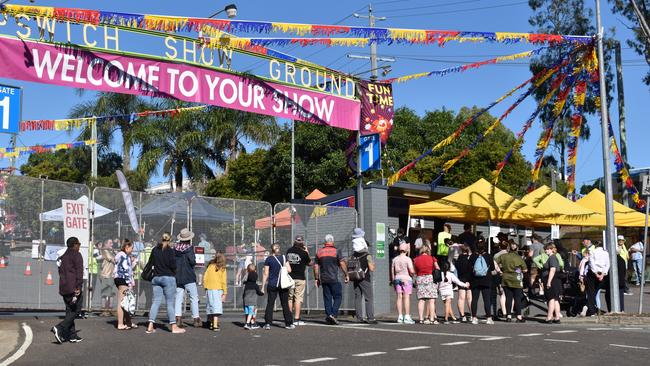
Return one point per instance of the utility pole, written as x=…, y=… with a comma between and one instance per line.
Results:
x=621, y=111
x=93, y=149
x=373, y=77
x=609, y=200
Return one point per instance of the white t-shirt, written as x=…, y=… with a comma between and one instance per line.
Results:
x=638, y=255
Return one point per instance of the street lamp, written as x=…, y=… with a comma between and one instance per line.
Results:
x=230, y=9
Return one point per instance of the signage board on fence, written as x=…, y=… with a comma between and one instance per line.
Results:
x=380, y=233
x=77, y=223
x=199, y=254
x=645, y=188
x=555, y=232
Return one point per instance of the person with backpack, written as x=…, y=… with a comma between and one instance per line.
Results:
x=512, y=268
x=482, y=266
x=360, y=266
x=427, y=291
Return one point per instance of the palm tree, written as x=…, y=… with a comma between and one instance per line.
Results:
x=230, y=129
x=112, y=104
x=179, y=143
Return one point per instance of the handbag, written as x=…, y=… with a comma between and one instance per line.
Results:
x=284, y=280
x=128, y=302
x=147, y=272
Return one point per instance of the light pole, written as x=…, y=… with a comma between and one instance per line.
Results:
x=230, y=9
x=373, y=77
x=609, y=203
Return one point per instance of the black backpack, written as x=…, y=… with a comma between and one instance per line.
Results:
x=355, y=270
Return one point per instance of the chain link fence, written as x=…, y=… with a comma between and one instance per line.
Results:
x=313, y=223
x=32, y=239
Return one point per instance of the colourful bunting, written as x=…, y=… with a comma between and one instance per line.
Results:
x=212, y=27
x=10, y=152
x=465, y=67
x=576, y=128
x=65, y=124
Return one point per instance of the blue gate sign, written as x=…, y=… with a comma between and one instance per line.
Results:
x=10, y=108
x=369, y=148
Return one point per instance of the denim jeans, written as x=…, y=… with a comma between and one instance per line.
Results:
x=194, y=299
x=638, y=271
x=332, y=296
x=163, y=285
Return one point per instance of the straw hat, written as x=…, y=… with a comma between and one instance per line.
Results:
x=185, y=235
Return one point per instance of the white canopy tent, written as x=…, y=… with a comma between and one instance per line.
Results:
x=57, y=214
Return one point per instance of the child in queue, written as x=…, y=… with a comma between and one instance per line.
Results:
x=251, y=292
x=214, y=281
x=446, y=290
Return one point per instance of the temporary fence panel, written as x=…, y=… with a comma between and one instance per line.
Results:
x=32, y=239
x=314, y=222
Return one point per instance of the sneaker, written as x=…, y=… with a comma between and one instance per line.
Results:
x=475, y=321
x=298, y=322
x=267, y=327
x=254, y=326
x=489, y=321
x=75, y=339
x=455, y=322
x=290, y=326
x=333, y=320
x=408, y=320
x=463, y=319
x=247, y=326
x=522, y=320
x=371, y=321
x=58, y=338
x=629, y=293
x=400, y=319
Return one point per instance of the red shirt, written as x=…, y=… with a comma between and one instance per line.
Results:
x=424, y=264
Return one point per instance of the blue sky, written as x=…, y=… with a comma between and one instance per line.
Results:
x=478, y=87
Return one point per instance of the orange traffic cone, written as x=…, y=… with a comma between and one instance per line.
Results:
x=49, y=280
x=2, y=262
x=28, y=269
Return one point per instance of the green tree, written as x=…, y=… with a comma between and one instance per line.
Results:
x=641, y=42
x=244, y=179
x=112, y=104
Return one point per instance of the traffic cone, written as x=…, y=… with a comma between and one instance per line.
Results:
x=28, y=269
x=2, y=262
x=49, y=280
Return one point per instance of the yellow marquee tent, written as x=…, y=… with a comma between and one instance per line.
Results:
x=623, y=216
x=565, y=211
x=479, y=202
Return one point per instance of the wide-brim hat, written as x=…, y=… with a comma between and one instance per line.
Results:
x=185, y=235
x=358, y=233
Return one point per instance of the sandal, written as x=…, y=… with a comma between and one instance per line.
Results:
x=150, y=331
x=178, y=331
x=134, y=326
x=124, y=327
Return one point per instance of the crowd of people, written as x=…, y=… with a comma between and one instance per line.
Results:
x=452, y=267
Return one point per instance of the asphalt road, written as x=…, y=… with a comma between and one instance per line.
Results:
x=316, y=343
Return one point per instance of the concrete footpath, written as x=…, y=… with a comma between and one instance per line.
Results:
x=10, y=337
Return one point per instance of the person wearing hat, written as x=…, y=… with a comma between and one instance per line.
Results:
x=71, y=278
x=623, y=253
x=299, y=259
x=186, y=277
x=363, y=288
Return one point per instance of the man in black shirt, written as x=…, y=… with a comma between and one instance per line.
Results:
x=468, y=238
x=298, y=257
x=393, y=250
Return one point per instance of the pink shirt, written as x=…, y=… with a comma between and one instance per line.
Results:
x=402, y=264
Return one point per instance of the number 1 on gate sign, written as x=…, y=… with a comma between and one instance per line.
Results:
x=4, y=104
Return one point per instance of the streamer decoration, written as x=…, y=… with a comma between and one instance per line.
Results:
x=9, y=152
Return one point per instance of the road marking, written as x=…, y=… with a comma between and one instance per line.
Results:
x=599, y=329
x=631, y=328
x=493, y=338
x=21, y=351
x=368, y=354
x=413, y=348
x=358, y=325
x=561, y=340
x=626, y=346
x=530, y=334
x=313, y=360
x=376, y=329
x=564, y=331
x=453, y=343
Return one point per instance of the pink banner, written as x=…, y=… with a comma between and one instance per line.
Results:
x=73, y=67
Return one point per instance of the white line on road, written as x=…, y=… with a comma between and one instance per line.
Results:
x=493, y=338
x=598, y=329
x=368, y=354
x=413, y=348
x=530, y=334
x=631, y=328
x=376, y=329
x=626, y=346
x=453, y=343
x=23, y=347
x=312, y=360
x=561, y=340
x=564, y=331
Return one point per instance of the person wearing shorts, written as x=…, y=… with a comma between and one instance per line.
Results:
x=299, y=259
x=427, y=291
x=401, y=272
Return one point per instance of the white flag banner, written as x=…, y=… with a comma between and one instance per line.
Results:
x=128, y=201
